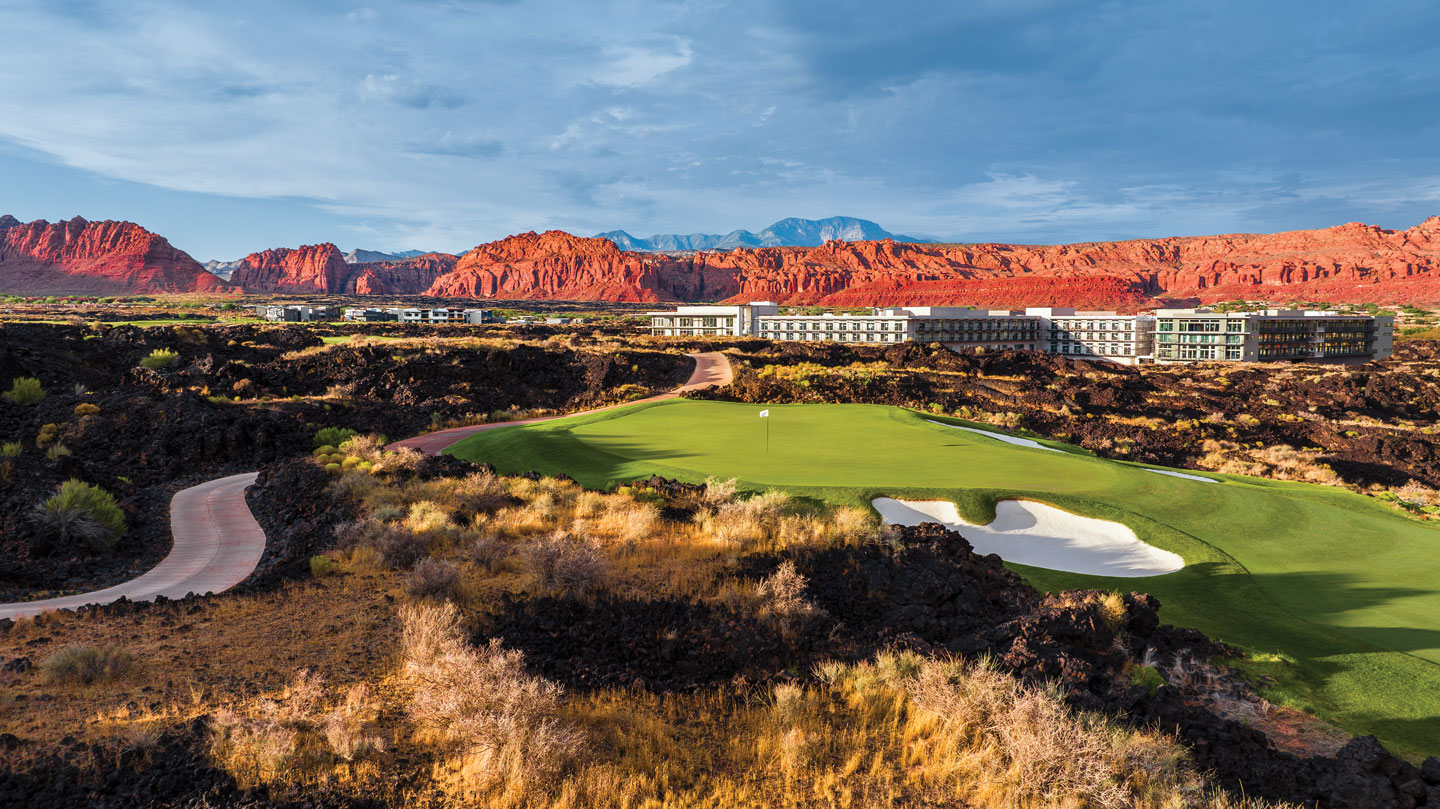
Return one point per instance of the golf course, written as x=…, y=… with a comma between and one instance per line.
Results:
x=1335, y=597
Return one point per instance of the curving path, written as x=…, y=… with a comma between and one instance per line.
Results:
x=712, y=370
x=217, y=544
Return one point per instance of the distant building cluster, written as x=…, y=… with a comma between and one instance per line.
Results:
x=1165, y=336
x=443, y=314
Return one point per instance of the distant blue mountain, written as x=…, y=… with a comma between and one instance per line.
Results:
x=785, y=233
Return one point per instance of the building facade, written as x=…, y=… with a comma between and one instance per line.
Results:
x=1271, y=335
x=414, y=315
x=1126, y=339
x=1169, y=335
x=952, y=327
x=711, y=321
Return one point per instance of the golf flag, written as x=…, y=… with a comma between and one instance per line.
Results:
x=764, y=414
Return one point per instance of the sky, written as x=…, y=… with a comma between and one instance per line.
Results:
x=442, y=124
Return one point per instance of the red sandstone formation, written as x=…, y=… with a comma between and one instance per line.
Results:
x=94, y=258
x=1348, y=263
x=557, y=265
x=1351, y=262
x=322, y=268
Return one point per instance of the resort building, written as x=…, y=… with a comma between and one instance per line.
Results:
x=1191, y=335
x=1126, y=339
x=711, y=321
x=1169, y=335
x=953, y=327
x=413, y=315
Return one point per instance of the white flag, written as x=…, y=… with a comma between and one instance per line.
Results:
x=764, y=414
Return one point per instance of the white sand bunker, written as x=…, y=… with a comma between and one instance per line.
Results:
x=1181, y=475
x=1038, y=535
x=1009, y=439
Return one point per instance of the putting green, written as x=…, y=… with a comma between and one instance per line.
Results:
x=1345, y=587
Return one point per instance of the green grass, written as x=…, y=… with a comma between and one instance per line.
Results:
x=1331, y=580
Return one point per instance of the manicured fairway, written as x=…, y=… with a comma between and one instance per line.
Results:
x=1343, y=586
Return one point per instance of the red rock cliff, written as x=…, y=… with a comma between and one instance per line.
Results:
x=92, y=258
x=1345, y=263
x=322, y=268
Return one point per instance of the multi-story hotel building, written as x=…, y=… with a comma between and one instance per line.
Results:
x=1169, y=335
x=1191, y=335
x=1126, y=339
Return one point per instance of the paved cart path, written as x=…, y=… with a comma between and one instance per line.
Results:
x=712, y=370
x=217, y=544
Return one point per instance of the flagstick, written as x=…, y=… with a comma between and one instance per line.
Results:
x=767, y=435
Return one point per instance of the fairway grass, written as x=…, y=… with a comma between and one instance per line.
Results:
x=1335, y=593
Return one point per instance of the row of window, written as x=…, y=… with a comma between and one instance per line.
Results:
x=1104, y=349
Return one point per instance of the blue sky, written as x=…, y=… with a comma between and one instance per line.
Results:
x=440, y=124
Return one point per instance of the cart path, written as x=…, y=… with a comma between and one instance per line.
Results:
x=217, y=544
x=712, y=370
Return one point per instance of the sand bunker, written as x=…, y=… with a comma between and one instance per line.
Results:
x=1181, y=475
x=1038, y=535
x=1009, y=439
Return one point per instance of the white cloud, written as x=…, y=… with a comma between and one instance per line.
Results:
x=635, y=66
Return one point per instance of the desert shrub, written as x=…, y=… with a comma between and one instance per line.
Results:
x=488, y=551
x=79, y=513
x=48, y=434
x=478, y=493
x=333, y=468
x=321, y=566
x=433, y=578
x=405, y=459
x=57, y=452
x=502, y=722
x=86, y=664
x=25, y=390
x=350, y=728
x=749, y=521
x=781, y=600
x=366, y=447
x=11, y=449
x=333, y=436
x=323, y=451
x=719, y=492
x=627, y=519
x=399, y=548
x=566, y=563
x=87, y=409
x=159, y=358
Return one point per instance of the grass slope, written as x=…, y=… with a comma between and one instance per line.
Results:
x=1339, y=589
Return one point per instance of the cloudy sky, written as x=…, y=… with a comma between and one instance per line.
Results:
x=439, y=124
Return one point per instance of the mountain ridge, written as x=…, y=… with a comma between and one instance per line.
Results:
x=789, y=232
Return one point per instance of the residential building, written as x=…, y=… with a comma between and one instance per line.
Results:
x=1192, y=335
x=1126, y=339
x=294, y=313
x=431, y=316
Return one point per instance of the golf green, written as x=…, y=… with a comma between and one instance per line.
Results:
x=1343, y=590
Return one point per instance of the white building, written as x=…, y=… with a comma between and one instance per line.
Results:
x=1126, y=339
x=1169, y=335
x=953, y=327
x=416, y=315
x=710, y=321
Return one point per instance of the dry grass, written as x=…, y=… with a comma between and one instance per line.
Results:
x=1281, y=462
x=411, y=701
x=502, y=724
